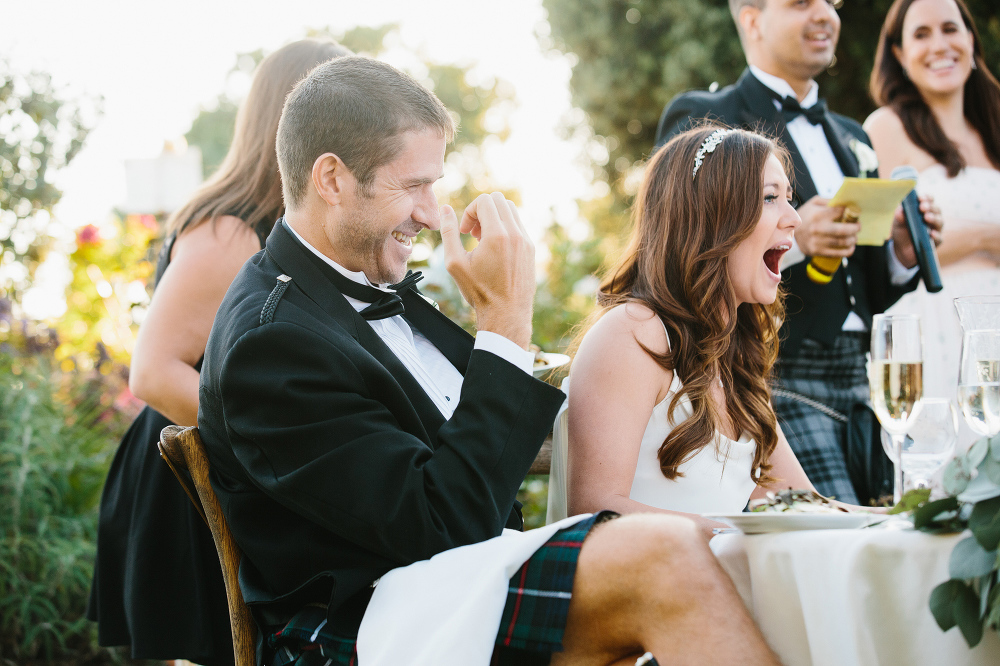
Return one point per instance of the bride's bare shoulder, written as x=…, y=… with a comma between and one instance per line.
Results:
x=628, y=324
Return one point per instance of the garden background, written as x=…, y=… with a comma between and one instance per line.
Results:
x=64, y=399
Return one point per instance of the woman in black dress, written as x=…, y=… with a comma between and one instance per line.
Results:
x=157, y=579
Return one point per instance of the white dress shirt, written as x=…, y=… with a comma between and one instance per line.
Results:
x=433, y=371
x=826, y=174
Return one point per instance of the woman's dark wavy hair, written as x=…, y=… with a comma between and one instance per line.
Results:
x=889, y=86
x=247, y=184
x=676, y=264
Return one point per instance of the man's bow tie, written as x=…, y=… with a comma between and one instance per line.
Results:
x=790, y=109
x=383, y=304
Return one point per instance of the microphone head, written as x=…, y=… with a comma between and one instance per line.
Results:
x=904, y=172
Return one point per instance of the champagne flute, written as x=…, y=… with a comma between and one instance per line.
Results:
x=930, y=442
x=979, y=381
x=896, y=380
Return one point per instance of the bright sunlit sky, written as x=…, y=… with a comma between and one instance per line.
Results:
x=156, y=64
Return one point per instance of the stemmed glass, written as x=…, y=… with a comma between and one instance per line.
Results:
x=930, y=442
x=979, y=381
x=896, y=380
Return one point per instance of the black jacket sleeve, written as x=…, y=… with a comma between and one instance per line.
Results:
x=327, y=437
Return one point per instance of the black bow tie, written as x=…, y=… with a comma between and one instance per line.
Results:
x=791, y=109
x=383, y=304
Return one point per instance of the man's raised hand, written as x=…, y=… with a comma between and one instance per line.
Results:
x=497, y=277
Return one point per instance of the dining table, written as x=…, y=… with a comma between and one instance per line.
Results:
x=839, y=597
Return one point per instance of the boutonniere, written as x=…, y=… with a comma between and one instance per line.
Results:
x=867, y=159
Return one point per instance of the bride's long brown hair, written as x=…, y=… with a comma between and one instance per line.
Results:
x=676, y=264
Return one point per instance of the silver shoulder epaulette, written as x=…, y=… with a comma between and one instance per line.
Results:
x=272, y=299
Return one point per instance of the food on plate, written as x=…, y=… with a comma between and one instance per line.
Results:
x=540, y=360
x=798, y=501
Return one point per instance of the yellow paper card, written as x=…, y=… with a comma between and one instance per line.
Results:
x=877, y=199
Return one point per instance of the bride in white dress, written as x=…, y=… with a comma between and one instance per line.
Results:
x=670, y=406
x=940, y=106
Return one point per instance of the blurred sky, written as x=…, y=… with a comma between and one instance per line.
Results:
x=156, y=64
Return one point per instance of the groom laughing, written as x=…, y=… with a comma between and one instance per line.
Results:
x=353, y=430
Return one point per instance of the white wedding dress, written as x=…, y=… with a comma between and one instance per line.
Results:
x=715, y=480
x=971, y=197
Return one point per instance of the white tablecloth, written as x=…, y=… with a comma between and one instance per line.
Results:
x=843, y=597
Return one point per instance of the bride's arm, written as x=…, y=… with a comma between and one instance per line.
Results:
x=785, y=470
x=788, y=473
x=614, y=385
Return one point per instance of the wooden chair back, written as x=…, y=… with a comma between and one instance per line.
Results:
x=183, y=451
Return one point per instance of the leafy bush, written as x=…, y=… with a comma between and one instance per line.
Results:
x=970, y=600
x=57, y=434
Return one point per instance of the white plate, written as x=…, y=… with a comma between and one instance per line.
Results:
x=762, y=523
x=549, y=361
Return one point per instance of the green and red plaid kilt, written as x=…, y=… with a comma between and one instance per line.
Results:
x=531, y=628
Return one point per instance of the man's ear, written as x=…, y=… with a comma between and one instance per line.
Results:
x=331, y=178
x=748, y=17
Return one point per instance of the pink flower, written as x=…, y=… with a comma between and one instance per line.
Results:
x=88, y=235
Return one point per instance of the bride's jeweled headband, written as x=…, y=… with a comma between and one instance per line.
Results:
x=709, y=146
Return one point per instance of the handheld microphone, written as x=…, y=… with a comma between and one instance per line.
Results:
x=922, y=243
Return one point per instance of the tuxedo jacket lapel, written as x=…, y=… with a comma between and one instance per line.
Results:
x=450, y=338
x=759, y=107
x=840, y=142
x=308, y=273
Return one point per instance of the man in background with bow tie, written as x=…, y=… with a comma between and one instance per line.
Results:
x=821, y=375
x=353, y=429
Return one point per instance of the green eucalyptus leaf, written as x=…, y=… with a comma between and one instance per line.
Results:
x=995, y=447
x=991, y=468
x=942, y=603
x=965, y=608
x=911, y=500
x=985, y=523
x=926, y=514
x=955, y=476
x=993, y=618
x=970, y=560
x=976, y=453
x=979, y=489
x=985, y=585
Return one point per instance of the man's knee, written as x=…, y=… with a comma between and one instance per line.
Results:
x=642, y=553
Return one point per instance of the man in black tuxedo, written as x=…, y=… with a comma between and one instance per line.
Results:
x=821, y=373
x=353, y=429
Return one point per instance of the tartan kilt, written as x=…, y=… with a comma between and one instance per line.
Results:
x=531, y=627
x=836, y=377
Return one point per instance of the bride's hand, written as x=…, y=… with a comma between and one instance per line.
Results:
x=707, y=527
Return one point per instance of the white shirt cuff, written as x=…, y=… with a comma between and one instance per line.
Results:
x=898, y=273
x=505, y=349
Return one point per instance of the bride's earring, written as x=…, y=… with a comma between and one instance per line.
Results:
x=974, y=65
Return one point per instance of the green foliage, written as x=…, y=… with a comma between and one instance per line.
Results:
x=113, y=267
x=212, y=131
x=57, y=432
x=970, y=600
x=533, y=496
x=565, y=295
x=40, y=132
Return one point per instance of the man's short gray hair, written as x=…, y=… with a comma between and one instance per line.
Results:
x=356, y=108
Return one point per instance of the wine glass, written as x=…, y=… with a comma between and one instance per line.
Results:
x=930, y=442
x=896, y=380
x=979, y=381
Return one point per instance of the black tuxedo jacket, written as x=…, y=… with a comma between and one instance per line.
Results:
x=811, y=310
x=332, y=465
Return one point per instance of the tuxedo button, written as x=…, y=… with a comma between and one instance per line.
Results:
x=853, y=301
